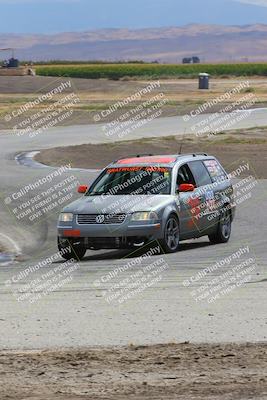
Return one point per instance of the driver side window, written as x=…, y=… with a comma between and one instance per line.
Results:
x=185, y=175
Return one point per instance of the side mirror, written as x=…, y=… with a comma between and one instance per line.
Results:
x=186, y=187
x=82, y=189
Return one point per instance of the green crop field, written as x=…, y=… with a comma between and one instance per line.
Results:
x=152, y=71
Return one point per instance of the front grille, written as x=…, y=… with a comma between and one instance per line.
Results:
x=100, y=219
x=105, y=243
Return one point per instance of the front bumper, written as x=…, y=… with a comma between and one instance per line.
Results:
x=124, y=235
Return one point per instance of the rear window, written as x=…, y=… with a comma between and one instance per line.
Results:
x=215, y=170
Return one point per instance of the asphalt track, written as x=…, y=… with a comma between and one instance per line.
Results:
x=77, y=314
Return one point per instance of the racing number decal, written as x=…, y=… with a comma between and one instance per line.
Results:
x=199, y=209
x=194, y=204
x=210, y=200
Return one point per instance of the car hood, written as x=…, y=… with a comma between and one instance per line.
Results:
x=117, y=204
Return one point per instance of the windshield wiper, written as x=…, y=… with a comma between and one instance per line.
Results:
x=96, y=193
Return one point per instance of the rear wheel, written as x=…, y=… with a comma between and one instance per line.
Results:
x=223, y=232
x=70, y=250
x=170, y=242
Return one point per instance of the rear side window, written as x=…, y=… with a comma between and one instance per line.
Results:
x=200, y=173
x=215, y=170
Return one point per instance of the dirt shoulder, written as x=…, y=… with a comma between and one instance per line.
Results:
x=231, y=150
x=173, y=371
x=95, y=96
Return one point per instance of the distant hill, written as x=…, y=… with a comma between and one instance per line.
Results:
x=210, y=42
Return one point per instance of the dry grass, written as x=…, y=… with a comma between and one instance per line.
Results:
x=182, y=96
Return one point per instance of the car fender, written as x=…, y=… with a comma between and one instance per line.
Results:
x=227, y=202
x=170, y=209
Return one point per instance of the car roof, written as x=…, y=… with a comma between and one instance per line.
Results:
x=164, y=160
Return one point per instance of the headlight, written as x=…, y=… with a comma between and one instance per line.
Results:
x=66, y=217
x=144, y=216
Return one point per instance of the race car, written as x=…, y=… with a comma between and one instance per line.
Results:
x=143, y=198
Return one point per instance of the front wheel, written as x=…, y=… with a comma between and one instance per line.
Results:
x=170, y=242
x=223, y=232
x=70, y=250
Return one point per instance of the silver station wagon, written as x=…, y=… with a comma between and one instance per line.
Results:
x=145, y=198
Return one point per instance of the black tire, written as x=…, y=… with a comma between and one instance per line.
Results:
x=223, y=233
x=70, y=250
x=170, y=242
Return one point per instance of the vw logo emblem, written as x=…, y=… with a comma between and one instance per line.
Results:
x=100, y=219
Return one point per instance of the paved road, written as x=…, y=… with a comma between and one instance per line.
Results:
x=79, y=314
x=179, y=125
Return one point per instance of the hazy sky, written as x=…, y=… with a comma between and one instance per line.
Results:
x=49, y=16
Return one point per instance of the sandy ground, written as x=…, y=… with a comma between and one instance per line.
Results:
x=228, y=148
x=174, y=371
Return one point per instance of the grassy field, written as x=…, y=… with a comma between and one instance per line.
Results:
x=154, y=71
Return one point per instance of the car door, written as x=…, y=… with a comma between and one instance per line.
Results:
x=190, y=224
x=204, y=194
x=223, y=190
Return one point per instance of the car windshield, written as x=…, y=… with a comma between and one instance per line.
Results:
x=132, y=180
